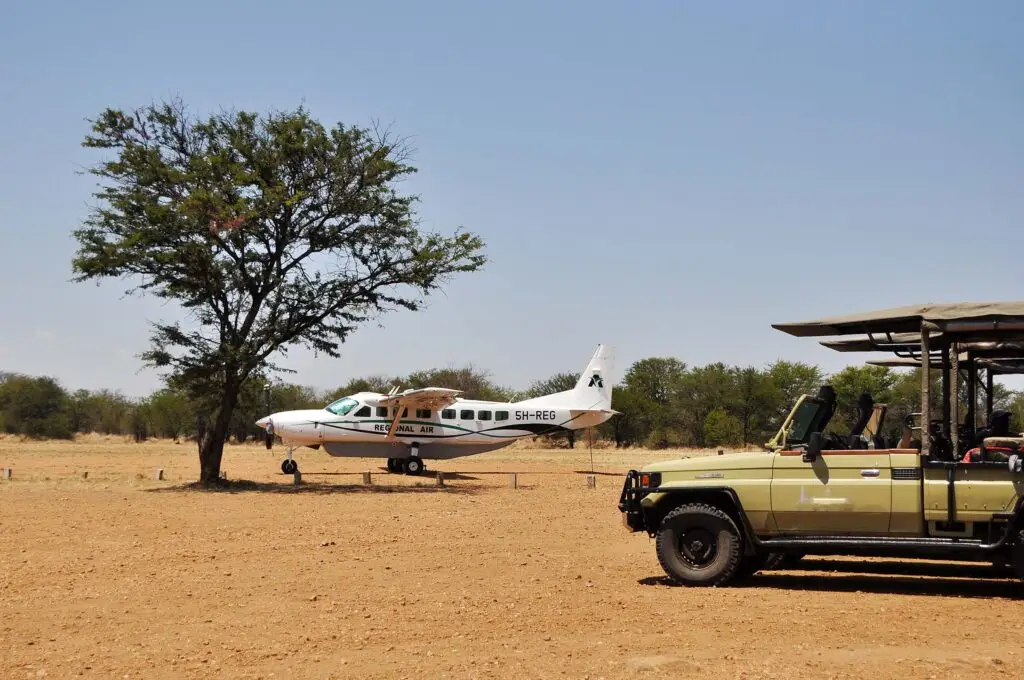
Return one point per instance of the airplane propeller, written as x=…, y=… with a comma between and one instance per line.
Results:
x=269, y=436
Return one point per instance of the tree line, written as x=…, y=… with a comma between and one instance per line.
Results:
x=662, y=401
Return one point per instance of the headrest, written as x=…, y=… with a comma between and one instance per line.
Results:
x=1006, y=442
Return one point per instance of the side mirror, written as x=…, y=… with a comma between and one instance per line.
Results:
x=813, y=448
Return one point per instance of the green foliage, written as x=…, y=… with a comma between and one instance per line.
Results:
x=722, y=428
x=1016, y=408
x=474, y=383
x=35, y=407
x=714, y=405
x=850, y=383
x=631, y=426
x=271, y=231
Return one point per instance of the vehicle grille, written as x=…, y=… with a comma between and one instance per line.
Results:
x=906, y=473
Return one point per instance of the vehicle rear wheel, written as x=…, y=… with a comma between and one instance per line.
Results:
x=699, y=545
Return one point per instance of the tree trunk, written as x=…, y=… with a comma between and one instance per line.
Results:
x=212, y=438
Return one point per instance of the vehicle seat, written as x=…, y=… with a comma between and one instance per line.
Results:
x=998, y=426
x=865, y=404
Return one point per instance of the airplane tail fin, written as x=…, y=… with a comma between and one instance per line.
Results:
x=593, y=390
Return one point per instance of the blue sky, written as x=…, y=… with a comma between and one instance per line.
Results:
x=666, y=177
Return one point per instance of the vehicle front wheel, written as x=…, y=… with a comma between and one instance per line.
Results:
x=699, y=545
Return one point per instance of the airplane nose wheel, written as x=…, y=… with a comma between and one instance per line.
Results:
x=288, y=465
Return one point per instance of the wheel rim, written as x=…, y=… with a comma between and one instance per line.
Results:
x=698, y=547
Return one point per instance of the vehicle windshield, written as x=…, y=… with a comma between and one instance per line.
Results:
x=802, y=421
x=342, y=406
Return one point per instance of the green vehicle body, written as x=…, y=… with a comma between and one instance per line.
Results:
x=808, y=494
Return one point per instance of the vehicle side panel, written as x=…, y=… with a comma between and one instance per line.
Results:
x=984, y=490
x=936, y=491
x=752, y=489
x=907, y=517
x=840, y=492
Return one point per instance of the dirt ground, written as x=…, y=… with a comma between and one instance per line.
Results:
x=119, y=575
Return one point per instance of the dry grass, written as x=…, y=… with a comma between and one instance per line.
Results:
x=120, y=575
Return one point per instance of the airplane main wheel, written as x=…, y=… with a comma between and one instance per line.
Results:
x=289, y=466
x=412, y=465
x=394, y=465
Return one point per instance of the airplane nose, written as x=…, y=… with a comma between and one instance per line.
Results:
x=263, y=422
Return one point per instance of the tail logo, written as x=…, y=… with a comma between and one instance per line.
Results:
x=596, y=380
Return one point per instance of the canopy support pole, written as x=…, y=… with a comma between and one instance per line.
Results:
x=925, y=392
x=989, y=397
x=954, y=397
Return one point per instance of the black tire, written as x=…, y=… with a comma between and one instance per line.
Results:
x=699, y=545
x=412, y=465
x=289, y=466
x=394, y=465
x=783, y=560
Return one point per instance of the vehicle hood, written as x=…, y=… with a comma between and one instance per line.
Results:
x=729, y=461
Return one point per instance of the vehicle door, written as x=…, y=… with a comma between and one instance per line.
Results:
x=979, y=489
x=838, y=492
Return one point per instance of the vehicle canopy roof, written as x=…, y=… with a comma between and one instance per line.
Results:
x=956, y=316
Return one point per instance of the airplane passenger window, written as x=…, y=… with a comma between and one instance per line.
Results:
x=342, y=406
x=364, y=412
x=483, y=415
x=466, y=414
x=501, y=415
x=382, y=411
x=448, y=414
x=405, y=412
x=423, y=413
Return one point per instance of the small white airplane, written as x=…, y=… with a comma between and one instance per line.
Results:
x=443, y=425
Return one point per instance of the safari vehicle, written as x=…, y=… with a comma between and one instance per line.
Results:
x=946, y=490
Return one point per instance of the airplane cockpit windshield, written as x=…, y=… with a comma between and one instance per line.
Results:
x=342, y=406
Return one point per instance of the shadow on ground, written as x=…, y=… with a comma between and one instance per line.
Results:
x=977, y=570
x=949, y=580
x=427, y=474
x=247, y=486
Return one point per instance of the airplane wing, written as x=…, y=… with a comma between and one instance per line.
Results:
x=434, y=398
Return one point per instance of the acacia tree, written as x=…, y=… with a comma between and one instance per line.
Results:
x=269, y=230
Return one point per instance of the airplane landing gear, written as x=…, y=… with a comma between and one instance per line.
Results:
x=288, y=465
x=412, y=465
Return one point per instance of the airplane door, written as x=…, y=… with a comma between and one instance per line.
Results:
x=844, y=492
